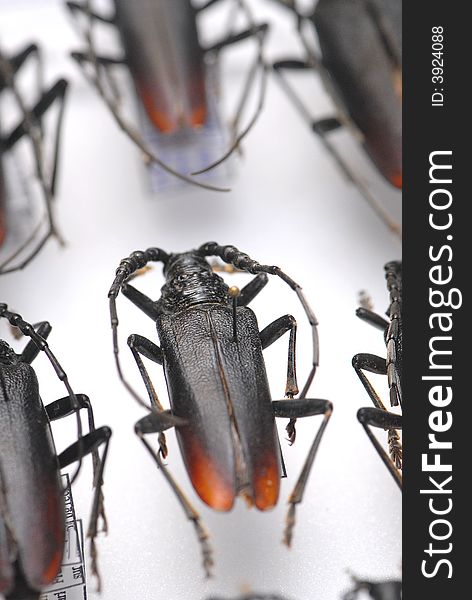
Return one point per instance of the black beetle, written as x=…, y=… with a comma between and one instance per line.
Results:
x=31, y=494
x=30, y=126
x=391, y=366
x=221, y=407
x=167, y=63
x=361, y=66
x=378, y=590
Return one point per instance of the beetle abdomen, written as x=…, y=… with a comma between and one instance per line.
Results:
x=31, y=499
x=220, y=386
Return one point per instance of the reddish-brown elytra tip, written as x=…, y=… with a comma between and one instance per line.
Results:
x=157, y=117
x=396, y=179
x=52, y=569
x=208, y=480
x=55, y=505
x=266, y=484
x=170, y=123
x=198, y=116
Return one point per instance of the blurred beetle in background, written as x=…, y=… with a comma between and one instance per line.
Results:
x=30, y=127
x=360, y=64
x=167, y=62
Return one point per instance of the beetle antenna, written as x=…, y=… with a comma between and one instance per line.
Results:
x=127, y=267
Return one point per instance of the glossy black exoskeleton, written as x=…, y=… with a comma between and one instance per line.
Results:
x=32, y=519
x=391, y=366
x=211, y=351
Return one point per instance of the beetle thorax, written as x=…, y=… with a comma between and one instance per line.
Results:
x=189, y=281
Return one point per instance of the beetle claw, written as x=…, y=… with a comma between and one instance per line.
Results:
x=396, y=451
x=163, y=450
x=291, y=431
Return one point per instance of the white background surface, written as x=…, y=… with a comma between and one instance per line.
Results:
x=288, y=206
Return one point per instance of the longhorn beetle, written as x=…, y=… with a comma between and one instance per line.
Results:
x=167, y=63
x=391, y=366
x=360, y=65
x=221, y=408
x=31, y=495
x=30, y=127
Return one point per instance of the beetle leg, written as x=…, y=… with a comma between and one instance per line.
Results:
x=77, y=7
x=237, y=37
x=291, y=409
x=86, y=445
x=64, y=407
x=376, y=364
x=30, y=126
x=372, y=318
x=158, y=422
x=149, y=349
x=18, y=60
x=250, y=290
x=56, y=92
x=140, y=345
x=273, y=332
x=292, y=64
x=386, y=420
x=373, y=364
x=104, y=61
x=322, y=127
x=142, y=301
x=268, y=335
